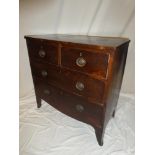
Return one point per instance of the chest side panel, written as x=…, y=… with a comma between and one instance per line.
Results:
x=115, y=80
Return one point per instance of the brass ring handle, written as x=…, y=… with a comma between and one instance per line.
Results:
x=79, y=108
x=44, y=73
x=42, y=53
x=81, y=62
x=79, y=86
x=46, y=91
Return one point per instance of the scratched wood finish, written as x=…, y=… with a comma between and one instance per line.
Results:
x=55, y=73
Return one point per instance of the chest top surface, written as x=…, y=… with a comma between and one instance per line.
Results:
x=83, y=39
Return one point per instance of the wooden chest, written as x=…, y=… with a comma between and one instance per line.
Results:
x=80, y=76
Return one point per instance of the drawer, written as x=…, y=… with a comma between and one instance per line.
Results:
x=82, y=85
x=43, y=50
x=71, y=81
x=46, y=72
x=89, y=62
x=69, y=104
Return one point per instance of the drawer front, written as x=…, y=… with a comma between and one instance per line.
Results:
x=46, y=72
x=71, y=81
x=43, y=50
x=69, y=104
x=88, y=62
x=82, y=85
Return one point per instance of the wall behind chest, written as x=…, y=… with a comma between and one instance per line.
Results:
x=89, y=17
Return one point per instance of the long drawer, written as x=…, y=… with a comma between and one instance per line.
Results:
x=72, y=81
x=69, y=104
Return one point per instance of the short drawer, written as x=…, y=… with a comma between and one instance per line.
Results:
x=46, y=72
x=43, y=50
x=69, y=104
x=90, y=62
x=71, y=81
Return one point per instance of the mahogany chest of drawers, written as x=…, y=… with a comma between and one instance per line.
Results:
x=80, y=76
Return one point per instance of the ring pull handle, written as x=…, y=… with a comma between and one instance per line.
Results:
x=42, y=53
x=81, y=62
x=44, y=73
x=79, y=108
x=79, y=86
x=47, y=92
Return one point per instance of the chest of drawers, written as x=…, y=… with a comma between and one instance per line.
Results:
x=80, y=76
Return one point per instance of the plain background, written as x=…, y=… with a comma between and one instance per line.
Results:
x=84, y=17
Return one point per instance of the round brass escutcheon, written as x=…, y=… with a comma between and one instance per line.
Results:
x=46, y=91
x=79, y=86
x=44, y=73
x=81, y=62
x=42, y=53
x=79, y=108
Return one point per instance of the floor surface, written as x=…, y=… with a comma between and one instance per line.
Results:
x=46, y=131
